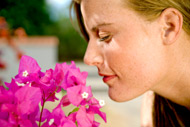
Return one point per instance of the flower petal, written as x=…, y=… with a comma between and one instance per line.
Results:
x=28, y=64
x=28, y=99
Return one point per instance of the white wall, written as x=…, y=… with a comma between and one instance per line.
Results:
x=43, y=49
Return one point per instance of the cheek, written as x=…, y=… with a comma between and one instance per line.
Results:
x=139, y=68
x=144, y=64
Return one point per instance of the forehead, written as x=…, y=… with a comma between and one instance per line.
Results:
x=101, y=5
x=100, y=11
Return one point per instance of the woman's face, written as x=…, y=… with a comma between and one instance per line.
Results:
x=127, y=50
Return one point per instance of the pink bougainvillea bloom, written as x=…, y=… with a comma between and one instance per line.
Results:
x=58, y=74
x=5, y=123
x=45, y=114
x=34, y=116
x=19, y=105
x=48, y=86
x=13, y=116
x=28, y=65
x=95, y=124
x=46, y=77
x=28, y=99
x=6, y=96
x=13, y=86
x=72, y=116
x=65, y=101
x=83, y=118
x=94, y=106
x=54, y=119
x=73, y=76
x=25, y=123
x=28, y=70
x=67, y=123
x=96, y=110
x=75, y=94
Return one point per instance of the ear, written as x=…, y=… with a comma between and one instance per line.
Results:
x=171, y=25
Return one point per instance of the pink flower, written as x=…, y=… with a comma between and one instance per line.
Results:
x=54, y=119
x=5, y=123
x=84, y=119
x=25, y=123
x=45, y=114
x=13, y=86
x=28, y=69
x=48, y=86
x=65, y=101
x=67, y=123
x=94, y=107
x=28, y=99
x=95, y=110
x=19, y=105
x=28, y=64
x=75, y=94
x=58, y=74
x=46, y=77
x=6, y=96
x=73, y=76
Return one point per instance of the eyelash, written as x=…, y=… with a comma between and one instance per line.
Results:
x=105, y=38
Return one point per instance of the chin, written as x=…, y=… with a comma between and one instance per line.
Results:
x=118, y=97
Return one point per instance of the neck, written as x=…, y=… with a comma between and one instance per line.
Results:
x=176, y=86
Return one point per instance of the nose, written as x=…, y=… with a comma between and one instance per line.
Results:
x=93, y=55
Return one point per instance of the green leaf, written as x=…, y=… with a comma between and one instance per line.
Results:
x=74, y=110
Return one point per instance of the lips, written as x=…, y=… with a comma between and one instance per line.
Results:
x=107, y=78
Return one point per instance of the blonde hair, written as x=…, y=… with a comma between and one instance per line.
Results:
x=77, y=1
x=151, y=9
x=148, y=9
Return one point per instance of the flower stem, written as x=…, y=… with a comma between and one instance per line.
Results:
x=44, y=100
x=41, y=113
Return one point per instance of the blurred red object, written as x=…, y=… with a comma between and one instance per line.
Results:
x=20, y=33
x=5, y=33
x=2, y=65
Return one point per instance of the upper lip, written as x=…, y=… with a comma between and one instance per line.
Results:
x=101, y=74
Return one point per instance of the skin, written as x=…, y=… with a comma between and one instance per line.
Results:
x=135, y=55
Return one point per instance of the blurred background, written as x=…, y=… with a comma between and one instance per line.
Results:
x=45, y=17
x=42, y=29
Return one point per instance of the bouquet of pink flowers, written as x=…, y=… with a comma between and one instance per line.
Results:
x=22, y=101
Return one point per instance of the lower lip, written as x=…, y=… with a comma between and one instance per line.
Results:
x=108, y=78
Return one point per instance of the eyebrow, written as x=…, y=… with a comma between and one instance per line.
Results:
x=100, y=25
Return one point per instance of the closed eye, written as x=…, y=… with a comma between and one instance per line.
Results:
x=106, y=38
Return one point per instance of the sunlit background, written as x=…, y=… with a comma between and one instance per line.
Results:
x=57, y=8
x=42, y=29
x=45, y=17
